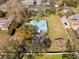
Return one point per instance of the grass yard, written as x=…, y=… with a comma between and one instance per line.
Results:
x=47, y=56
x=52, y=56
x=56, y=30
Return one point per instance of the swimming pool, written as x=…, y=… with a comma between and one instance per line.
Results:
x=41, y=25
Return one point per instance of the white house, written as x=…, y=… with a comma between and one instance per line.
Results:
x=31, y=2
x=74, y=20
x=4, y=24
x=65, y=22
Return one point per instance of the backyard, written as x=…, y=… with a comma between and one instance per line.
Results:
x=56, y=30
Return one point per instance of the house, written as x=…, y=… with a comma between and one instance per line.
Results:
x=66, y=11
x=74, y=17
x=3, y=5
x=65, y=22
x=31, y=2
x=4, y=24
x=74, y=20
x=35, y=3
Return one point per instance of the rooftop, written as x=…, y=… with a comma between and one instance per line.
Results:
x=4, y=24
x=31, y=2
x=75, y=17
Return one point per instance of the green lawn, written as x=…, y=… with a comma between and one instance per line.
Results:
x=55, y=56
x=56, y=30
x=52, y=56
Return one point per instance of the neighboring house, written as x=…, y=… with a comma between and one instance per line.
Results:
x=66, y=11
x=4, y=24
x=74, y=20
x=65, y=22
x=35, y=3
x=3, y=6
x=74, y=17
x=31, y=2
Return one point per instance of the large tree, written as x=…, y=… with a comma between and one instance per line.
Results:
x=2, y=14
x=70, y=3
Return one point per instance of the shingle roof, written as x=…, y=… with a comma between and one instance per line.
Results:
x=4, y=23
x=76, y=16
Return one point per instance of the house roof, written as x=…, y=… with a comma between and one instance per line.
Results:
x=40, y=25
x=31, y=2
x=4, y=23
x=76, y=17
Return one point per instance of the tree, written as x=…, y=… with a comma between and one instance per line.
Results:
x=70, y=3
x=1, y=1
x=69, y=13
x=50, y=11
x=26, y=31
x=69, y=46
x=30, y=56
x=2, y=14
x=31, y=43
x=12, y=28
x=68, y=56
